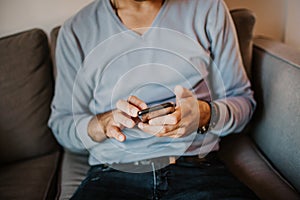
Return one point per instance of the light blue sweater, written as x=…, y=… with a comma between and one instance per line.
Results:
x=99, y=61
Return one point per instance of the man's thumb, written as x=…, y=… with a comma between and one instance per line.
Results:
x=182, y=92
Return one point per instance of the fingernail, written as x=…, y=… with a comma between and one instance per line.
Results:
x=129, y=124
x=121, y=138
x=140, y=125
x=134, y=112
x=144, y=106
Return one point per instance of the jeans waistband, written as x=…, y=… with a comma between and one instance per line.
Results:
x=161, y=162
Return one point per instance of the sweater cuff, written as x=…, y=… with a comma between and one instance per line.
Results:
x=223, y=112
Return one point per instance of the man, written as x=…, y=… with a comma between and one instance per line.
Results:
x=116, y=58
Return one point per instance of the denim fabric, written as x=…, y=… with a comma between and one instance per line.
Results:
x=208, y=179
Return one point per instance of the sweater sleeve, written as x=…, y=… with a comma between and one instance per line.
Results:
x=70, y=114
x=231, y=89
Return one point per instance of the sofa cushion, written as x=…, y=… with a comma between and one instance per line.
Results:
x=244, y=21
x=74, y=168
x=26, y=89
x=31, y=179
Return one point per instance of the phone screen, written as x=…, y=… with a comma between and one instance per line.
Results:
x=156, y=111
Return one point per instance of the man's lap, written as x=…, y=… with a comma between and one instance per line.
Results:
x=183, y=180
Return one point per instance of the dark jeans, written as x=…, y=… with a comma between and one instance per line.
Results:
x=187, y=179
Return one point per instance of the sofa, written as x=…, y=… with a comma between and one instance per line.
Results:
x=30, y=157
x=265, y=156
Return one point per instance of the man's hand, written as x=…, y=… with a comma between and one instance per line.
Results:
x=110, y=124
x=189, y=114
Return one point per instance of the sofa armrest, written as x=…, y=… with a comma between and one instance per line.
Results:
x=276, y=84
x=278, y=49
x=247, y=163
x=265, y=157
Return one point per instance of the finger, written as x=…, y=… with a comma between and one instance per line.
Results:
x=185, y=110
x=171, y=119
x=182, y=92
x=157, y=130
x=187, y=106
x=127, y=108
x=137, y=102
x=158, y=113
x=115, y=132
x=123, y=119
x=177, y=133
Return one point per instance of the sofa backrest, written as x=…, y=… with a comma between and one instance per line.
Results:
x=244, y=21
x=53, y=40
x=26, y=90
x=276, y=125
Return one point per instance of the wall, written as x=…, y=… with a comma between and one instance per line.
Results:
x=278, y=19
x=273, y=20
x=292, y=31
x=19, y=15
x=270, y=15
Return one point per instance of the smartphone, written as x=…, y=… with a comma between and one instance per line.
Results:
x=156, y=111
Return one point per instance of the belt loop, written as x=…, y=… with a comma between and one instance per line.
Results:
x=172, y=160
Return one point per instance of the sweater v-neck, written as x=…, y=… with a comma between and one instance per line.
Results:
x=119, y=23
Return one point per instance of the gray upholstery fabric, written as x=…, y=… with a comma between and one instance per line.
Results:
x=276, y=128
x=74, y=170
x=26, y=90
x=244, y=21
x=245, y=161
x=53, y=38
x=33, y=179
